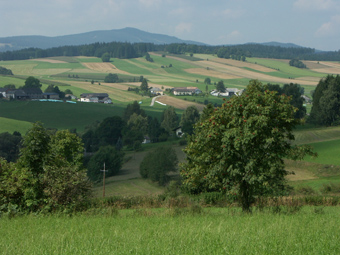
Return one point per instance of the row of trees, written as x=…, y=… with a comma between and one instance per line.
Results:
x=233, y=53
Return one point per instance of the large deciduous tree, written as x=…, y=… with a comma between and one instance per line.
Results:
x=240, y=147
x=32, y=82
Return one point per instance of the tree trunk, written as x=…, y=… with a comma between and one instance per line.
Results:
x=245, y=197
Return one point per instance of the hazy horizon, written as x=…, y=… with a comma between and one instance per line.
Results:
x=309, y=23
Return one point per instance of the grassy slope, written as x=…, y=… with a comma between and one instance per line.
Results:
x=8, y=124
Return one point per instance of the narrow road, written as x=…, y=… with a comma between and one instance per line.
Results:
x=153, y=100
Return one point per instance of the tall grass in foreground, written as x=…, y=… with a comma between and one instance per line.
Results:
x=312, y=230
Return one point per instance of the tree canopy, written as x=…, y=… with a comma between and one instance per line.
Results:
x=144, y=85
x=189, y=117
x=326, y=102
x=32, y=82
x=112, y=158
x=48, y=175
x=169, y=119
x=295, y=91
x=111, y=78
x=220, y=86
x=158, y=163
x=106, y=57
x=239, y=148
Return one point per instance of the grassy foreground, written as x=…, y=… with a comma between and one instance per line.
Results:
x=175, y=231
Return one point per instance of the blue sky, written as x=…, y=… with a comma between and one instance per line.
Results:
x=310, y=23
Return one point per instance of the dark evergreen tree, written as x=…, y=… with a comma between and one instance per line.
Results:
x=326, y=102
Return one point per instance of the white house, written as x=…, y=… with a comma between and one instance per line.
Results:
x=228, y=92
x=93, y=97
x=186, y=91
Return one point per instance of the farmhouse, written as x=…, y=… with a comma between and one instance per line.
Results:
x=18, y=94
x=24, y=94
x=186, y=91
x=33, y=93
x=228, y=92
x=156, y=91
x=70, y=96
x=51, y=95
x=95, y=97
x=3, y=91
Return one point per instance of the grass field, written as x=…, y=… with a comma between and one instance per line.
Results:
x=8, y=124
x=328, y=152
x=310, y=231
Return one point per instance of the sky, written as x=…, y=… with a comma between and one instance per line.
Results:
x=309, y=23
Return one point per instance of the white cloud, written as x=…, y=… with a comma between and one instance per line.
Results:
x=183, y=28
x=329, y=28
x=233, y=14
x=314, y=5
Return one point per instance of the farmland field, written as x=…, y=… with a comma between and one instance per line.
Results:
x=313, y=230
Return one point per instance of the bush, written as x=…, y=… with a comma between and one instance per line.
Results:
x=330, y=188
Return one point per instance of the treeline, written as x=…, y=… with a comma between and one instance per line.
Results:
x=115, y=50
x=134, y=50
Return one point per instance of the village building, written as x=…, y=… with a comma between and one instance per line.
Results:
x=95, y=98
x=17, y=94
x=186, y=91
x=3, y=92
x=228, y=92
x=156, y=91
x=70, y=96
x=33, y=93
x=51, y=95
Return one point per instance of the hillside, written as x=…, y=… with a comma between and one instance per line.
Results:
x=185, y=71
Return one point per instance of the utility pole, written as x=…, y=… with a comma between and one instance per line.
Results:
x=104, y=179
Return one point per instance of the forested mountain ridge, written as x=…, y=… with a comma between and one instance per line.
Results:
x=131, y=35
x=132, y=43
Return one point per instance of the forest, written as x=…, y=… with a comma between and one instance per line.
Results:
x=133, y=50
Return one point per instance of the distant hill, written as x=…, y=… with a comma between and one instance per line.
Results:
x=128, y=34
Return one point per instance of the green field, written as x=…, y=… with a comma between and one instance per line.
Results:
x=310, y=231
x=328, y=152
x=18, y=114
